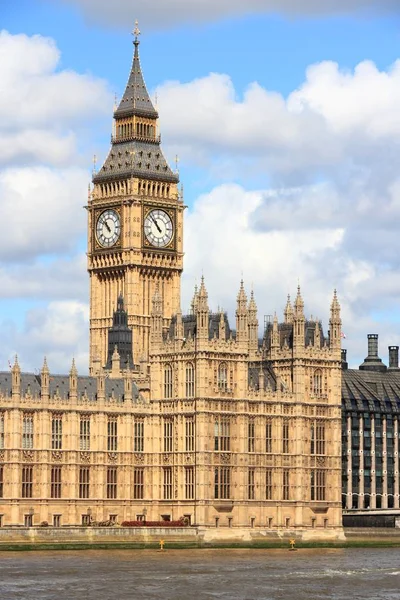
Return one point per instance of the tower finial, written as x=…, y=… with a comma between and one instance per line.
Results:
x=136, y=32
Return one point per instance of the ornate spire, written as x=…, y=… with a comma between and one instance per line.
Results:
x=242, y=298
x=195, y=300
x=288, y=311
x=299, y=304
x=73, y=372
x=135, y=150
x=252, y=305
x=202, y=296
x=221, y=327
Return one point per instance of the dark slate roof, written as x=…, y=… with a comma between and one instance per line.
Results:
x=87, y=386
x=189, y=326
x=136, y=99
x=147, y=162
x=286, y=333
x=254, y=375
x=365, y=391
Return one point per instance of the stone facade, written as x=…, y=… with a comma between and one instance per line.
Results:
x=207, y=422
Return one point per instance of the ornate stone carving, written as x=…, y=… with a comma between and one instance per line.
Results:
x=167, y=459
x=139, y=459
x=27, y=455
x=112, y=457
x=189, y=459
x=225, y=458
x=85, y=457
x=2, y=455
x=56, y=456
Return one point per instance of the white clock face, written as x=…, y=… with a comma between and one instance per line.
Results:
x=158, y=228
x=108, y=228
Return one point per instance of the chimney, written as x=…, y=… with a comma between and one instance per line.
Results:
x=345, y=364
x=373, y=362
x=393, y=357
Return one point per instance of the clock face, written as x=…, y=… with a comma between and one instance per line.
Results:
x=158, y=228
x=108, y=228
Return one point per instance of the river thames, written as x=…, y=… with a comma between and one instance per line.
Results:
x=201, y=574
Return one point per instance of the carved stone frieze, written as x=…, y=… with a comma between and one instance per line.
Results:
x=85, y=457
x=56, y=456
x=167, y=459
x=2, y=455
x=28, y=455
x=139, y=459
x=112, y=457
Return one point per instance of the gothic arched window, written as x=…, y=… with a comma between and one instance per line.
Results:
x=190, y=373
x=168, y=381
x=317, y=383
x=222, y=377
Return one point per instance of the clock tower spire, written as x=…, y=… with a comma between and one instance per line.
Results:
x=135, y=221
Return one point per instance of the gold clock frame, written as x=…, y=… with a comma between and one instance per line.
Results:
x=96, y=215
x=171, y=212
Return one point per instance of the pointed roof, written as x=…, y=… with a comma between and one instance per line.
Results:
x=136, y=99
x=299, y=303
x=132, y=154
x=252, y=303
x=241, y=297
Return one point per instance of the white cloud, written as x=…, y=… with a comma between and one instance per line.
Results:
x=58, y=331
x=336, y=117
x=42, y=211
x=229, y=234
x=154, y=13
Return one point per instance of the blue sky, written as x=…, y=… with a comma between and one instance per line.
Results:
x=305, y=194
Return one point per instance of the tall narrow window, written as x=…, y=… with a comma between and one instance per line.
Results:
x=168, y=435
x=268, y=436
x=84, y=482
x=138, y=435
x=268, y=485
x=317, y=438
x=1, y=481
x=56, y=432
x=222, y=483
x=222, y=435
x=112, y=434
x=285, y=437
x=317, y=383
x=222, y=377
x=251, y=442
x=138, y=484
x=27, y=431
x=167, y=483
x=251, y=485
x=1, y=430
x=84, y=432
x=189, y=381
x=286, y=484
x=111, y=483
x=27, y=482
x=318, y=484
x=189, y=483
x=168, y=381
x=189, y=434
x=55, y=482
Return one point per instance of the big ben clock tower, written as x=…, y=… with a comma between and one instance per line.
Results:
x=135, y=228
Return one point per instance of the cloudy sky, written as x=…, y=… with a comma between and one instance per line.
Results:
x=285, y=116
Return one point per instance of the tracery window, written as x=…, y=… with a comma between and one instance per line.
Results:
x=222, y=483
x=112, y=434
x=138, y=435
x=168, y=381
x=27, y=431
x=84, y=432
x=27, y=482
x=1, y=430
x=317, y=383
x=268, y=484
x=285, y=437
x=167, y=483
x=286, y=484
x=268, y=436
x=317, y=438
x=222, y=434
x=84, y=482
x=112, y=482
x=189, y=483
x=189, y=380
x=318, y=484
x=56, y=432
x=55, y=482
x=168, y=435
x=223, y=377
x=251, y=440
x=138, y=483
x=189, y=434
x=251, y=487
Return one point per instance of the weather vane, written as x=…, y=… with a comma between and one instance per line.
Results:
x=136, y=31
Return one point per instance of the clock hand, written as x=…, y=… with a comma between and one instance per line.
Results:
x=155, y=223
x=107, y=225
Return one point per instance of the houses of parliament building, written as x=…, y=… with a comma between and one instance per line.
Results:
x=182, y=415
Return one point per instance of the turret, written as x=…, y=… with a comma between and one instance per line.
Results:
x=120, y=337
x=253, y=327
x=335, y=324
x=16, y=380
x=195, y=300
x=127, y=385
x=221, y=326
x=298, y=322
x=275, y=334
x=202, y=313
x=242, y=331
x=73, y=381
x=45, y=381
x=115, y=364
x=288, y=311
x=317, y=335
